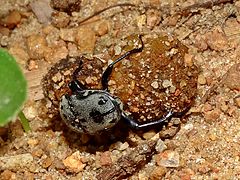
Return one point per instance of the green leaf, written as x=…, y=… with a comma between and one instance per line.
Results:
x=13, y=88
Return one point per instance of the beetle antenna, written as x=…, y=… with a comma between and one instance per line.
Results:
x=108, y=71
x=105, y=9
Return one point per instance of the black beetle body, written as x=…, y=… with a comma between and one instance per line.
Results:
x=90, y=111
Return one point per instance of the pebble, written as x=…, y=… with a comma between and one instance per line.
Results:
x=32, y=142
x=47, y=162
x=102, y=28
x=160, y=146
x=85, y=39
x=188, y=59
x=141, y=21
x=231, y=27
x=232, y=79
x=60, y=19
x=168, y=158
x=4, y=31
x=19, y=53
x=68, y=34
x=123, y=146
x=73, y=50
x=149, y=134
x=153, y=18
x=154, y=84
x=158, y=173
x=105, y=158
x=6, y=175
x=32, y=65
x=200, y=42
x=12, y=19
x=186, y=174
x=166, y=83
x=217, y=40
x=37, y=152
x=201, y=79
x=36, y=46
x=74, y=163
x=213, y=115
x=57, y=51
x=43, y=10
x=16, y=162
x=237, y=101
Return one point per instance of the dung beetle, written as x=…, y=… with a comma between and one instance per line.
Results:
x=92, y=111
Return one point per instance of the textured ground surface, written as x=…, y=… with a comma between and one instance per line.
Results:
x=197, y=62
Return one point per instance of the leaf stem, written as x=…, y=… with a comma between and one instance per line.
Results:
x=24, y=121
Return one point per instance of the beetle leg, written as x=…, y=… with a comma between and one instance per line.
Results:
x=141, y=126
x=108, y=71
x=76, y=85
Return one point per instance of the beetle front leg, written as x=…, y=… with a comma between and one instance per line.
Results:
x=141, y=126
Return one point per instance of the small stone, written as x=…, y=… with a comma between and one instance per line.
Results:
x=172, y=89
x=73, y=50
x=36, y=45
x=237, y=101
x=232, y=79
x=166, y=83
x=42, y=10
x=16, y=162
x=224, y=107
x=30, y=112
x=12, y=19
x=19, y=53
x=171, y=20
x=200, y=43
x=67, y=34
x=160, y=146
x=47, y=162
x=6, y=175
x=154, y=84
x=201, y=79
x=60, y=19
x=66, y=6
x=105, y=159
x=186, y=174
x=32, y=65
x=141, y=21
x=89, y=80
x=32, y=142
x=37, y=153
x=217, y=40
x=123, y=146
x=168, y=158
x=153, y=18
x=74, y=163
x=212, y=115
x=149, y=134
x=207, y=107
x=158, y=173
x=102, y=28
x=188, y=59
x=86, y=39
x=4, y=31
x=231, y=27
x=56, y=52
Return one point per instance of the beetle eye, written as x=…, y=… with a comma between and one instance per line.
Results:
x=102, y=101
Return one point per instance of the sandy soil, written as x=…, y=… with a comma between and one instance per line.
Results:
x=204, y=144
